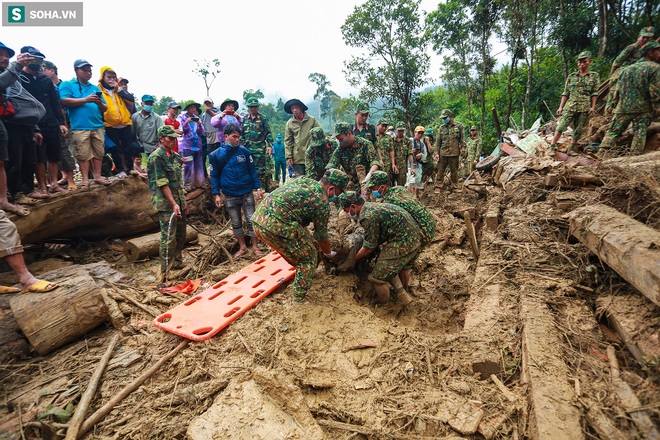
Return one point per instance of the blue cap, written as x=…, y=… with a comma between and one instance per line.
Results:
x=146, y=98
x=77, y=64
x=11, y=51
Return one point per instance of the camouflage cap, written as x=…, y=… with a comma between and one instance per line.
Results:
x=49, y=65
x=343, y=128
x=317, y=137
x=584, y=54
x=647, y=32
x=429, y=131
x=383, y=121
x=377, y=178
x=252, y=102
x=648, y=47
x=348, y=198
x=474, y=127
x=400, y=125
x=419, y=128
x=337, y=178
x=166, y=131
x=446, y=113
x=362, y=107
x=390, y=127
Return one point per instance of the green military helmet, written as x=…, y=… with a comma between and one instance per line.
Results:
x=474, y=127
x=337, y=177
x=584, y=54
x=166, y=131
x=446, y=113
x=343, y=128
x=252, y=102
x=377, y=178
x=429, y=132
x=362, y=107
x=400, y=125
x=317, y=137
x=348, y=198
x=383, y=121
x=646, y=32
x=648, y=47
x=50, y=65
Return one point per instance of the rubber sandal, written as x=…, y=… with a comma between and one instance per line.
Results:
x=63, y=182
x=38, y=195
x=73, y=187
x=7, y=289
x=84, y=186
x=25, y=200
x=41, y=286
x=18, y=210
x=102, y=181
x=57, y=189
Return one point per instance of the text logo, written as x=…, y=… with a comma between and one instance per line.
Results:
x=42, y=14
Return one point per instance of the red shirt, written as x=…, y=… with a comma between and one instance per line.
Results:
x=176, y=124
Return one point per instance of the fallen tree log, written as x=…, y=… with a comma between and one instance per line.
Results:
x=122, y=209
x=147, y=246
x=626, y=245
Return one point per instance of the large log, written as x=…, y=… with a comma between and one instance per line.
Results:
x=147, y=246
x=52, y=319
x=626, y=245
x=118, y=210
x=122, y=209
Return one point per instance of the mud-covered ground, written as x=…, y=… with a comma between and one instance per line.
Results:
x=302, y=371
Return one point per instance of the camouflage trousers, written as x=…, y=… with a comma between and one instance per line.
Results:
x=428, y=168
x=262, y=164
x=389, y=263
x=619, y=124
x=170, y=249
x=578, y=120
x=452, y=163
x=300, y=251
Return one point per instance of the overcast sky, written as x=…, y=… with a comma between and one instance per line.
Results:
x=270, y=45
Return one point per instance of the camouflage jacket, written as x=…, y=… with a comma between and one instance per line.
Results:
x=400, y=196
x=368, y=132
x=402, y=148
x=580, y=89
x=449, y=140
x=628, y=56
x=256, y=133
x=316, y=158
x=295, y=204
x=474, y=146
x=361, y=152
x=638, y=88
x=386, y=223
x=385, y=145
x=164, y=169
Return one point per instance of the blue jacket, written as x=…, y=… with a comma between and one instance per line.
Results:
x=238, y=176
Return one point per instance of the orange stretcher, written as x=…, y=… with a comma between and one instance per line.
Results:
x=204, y=315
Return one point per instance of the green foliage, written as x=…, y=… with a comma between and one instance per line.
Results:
x=249, y=93
x=160, y=106
x=394, y=61
x=208, y=71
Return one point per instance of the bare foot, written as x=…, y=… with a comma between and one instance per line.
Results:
x=240, y=252
x=257, y=252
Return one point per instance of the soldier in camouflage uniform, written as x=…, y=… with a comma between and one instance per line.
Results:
x=628, y=56
x=637, y=99
x=361, y=128
x=380, y=187
x=282, y=218
x=474, y=147
x=449, y=144
x=353, y=151
x=392, y=228
x=429, y=166
x=580, y=94
x=258, y=139
x=318, y=153
x=166, y=186
x=384, y=147
x=401, y=149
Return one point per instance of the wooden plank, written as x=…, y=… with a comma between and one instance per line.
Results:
x=553, y=415
x=629, y=247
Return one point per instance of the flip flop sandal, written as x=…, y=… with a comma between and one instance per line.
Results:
x=7, y=289
x=18, y=210
x=104, y=182
x=57, y=189
x=25, y=200
x=73, y=187
x=41, y=286
x=84, y=186
x=38, y=195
